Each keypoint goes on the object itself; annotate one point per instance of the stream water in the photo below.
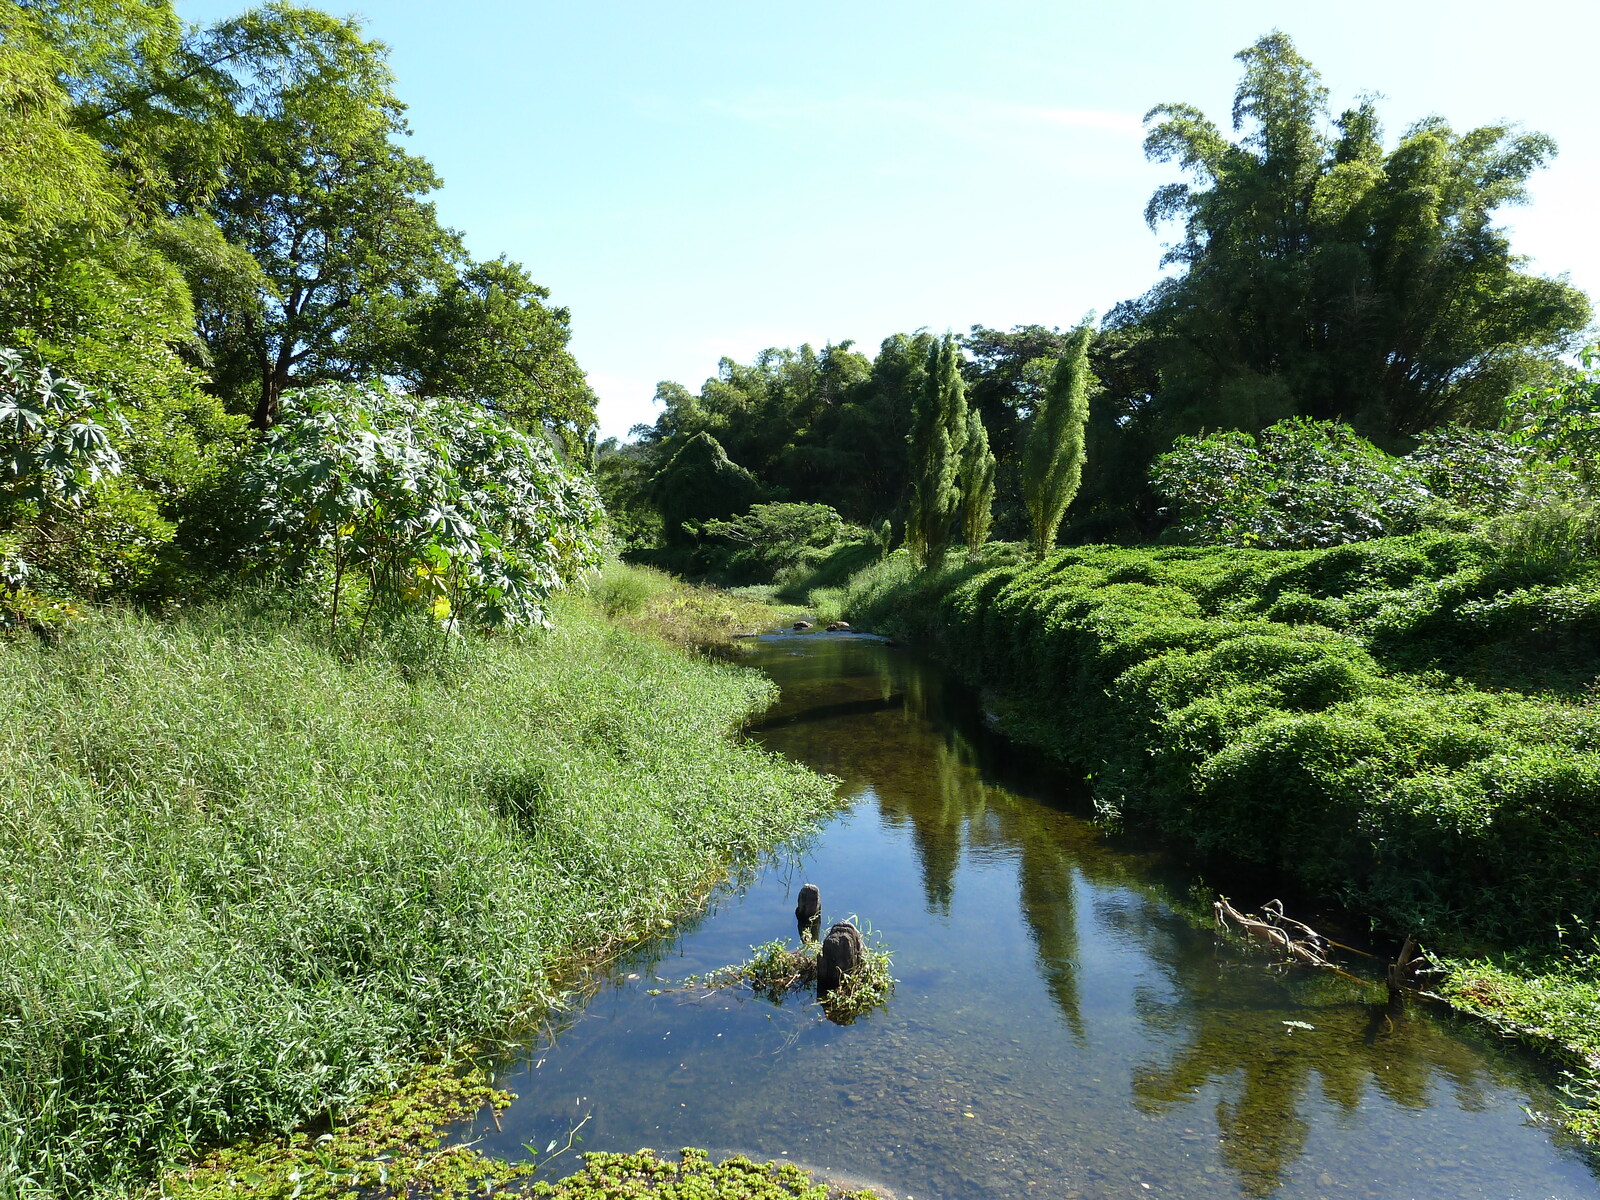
(1059, 1028)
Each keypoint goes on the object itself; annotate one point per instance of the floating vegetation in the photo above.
(391, 1148)
(388, 1147)
(644, 1174)
(775, 971)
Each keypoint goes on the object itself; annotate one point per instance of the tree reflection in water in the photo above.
(893, 729)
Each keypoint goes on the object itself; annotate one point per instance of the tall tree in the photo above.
(1053, 453)
(977, 484)
(1323, 276)
(331, 207)
(938, 438)
(700, 483)
(488, 336)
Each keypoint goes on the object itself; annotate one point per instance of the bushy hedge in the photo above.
(1332, 714)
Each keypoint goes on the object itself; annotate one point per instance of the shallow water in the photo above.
(1058, 1029)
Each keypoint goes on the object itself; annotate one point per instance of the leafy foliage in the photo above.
(488, 336)
(1301, 484)
(1053, 455)
(1561, 416)
(1339, 714)
(771, 538)
(1325, 277)
(977, 484)
(938, 438)
(424, 501)
(700, 483)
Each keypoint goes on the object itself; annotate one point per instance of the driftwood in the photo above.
(1303, 944)
(808, 913)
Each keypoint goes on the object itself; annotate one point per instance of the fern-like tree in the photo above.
(977, 484)
(1053, 454)
(938, 438)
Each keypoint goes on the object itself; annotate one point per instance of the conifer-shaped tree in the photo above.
(1053, 453)
(977, 484)
(938, 437)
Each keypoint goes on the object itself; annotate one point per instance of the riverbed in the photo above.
(1062, 1025)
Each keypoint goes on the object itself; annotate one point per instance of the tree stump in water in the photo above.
(841, 954)
(808, 913)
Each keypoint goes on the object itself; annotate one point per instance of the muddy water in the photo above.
(1059, 1027)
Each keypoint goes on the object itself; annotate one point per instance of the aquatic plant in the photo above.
(777, 971)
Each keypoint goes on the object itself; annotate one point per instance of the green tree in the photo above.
(938, 438)
(1323, 276)
(977, 484)
(700, 483)
(488, 336)
(1053, 452)
(324, 199)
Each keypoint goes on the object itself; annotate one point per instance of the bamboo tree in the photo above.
(938, 437)
(1053, 455)
(977, 484)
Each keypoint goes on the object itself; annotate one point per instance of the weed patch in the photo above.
(246, 880)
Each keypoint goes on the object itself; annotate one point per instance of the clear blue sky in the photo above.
(696, 180)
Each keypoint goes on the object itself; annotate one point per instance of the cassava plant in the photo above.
(407, 501)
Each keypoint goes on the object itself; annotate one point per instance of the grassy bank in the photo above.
(1405, 725)
(244, 881)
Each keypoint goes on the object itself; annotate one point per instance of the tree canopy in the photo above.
(1325, 276)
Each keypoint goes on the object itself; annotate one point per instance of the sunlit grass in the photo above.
(244, 879)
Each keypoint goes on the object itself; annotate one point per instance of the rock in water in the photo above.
(808, 913)
(839, 627)
(801, 626)
(841, 954)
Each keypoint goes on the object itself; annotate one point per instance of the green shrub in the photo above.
(405, 501)
(1310, 711)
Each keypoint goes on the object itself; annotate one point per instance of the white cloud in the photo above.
(1126, 123)
(958, 115)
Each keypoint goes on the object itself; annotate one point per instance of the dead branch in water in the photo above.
(1297, 940)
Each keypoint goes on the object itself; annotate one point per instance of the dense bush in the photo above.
(436, 504)
(1301, 484)
(1326, 713)
(771, 539)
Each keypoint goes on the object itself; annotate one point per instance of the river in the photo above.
(1060, 1027)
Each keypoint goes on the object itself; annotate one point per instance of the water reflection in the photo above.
(1059, 1028)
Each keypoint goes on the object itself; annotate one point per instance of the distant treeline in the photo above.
(1321, 275)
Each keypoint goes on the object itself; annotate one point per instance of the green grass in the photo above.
(244, 881)
(693, 616)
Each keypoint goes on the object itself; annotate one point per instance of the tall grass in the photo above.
(244, 881)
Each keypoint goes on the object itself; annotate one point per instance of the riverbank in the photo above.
(249, 881)
(1402, 725)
